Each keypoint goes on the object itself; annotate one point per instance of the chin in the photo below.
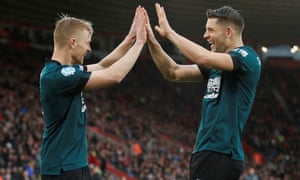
(77, 61)
(80, 61)
(219, 50)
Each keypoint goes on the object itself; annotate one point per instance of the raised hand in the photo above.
(140, 22)
(132, 31)
(150, 34)
(163, 28)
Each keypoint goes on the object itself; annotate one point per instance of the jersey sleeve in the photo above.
(204, 71)
(72, 79)
(244, 60)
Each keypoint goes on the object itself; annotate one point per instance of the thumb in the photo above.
(159, 30)
(149, 30)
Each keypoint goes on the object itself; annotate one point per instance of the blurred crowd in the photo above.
(139, 113)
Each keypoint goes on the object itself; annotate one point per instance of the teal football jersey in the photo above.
(227, 103)
(64, 144)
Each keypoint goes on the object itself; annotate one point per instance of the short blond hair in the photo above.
(68, 26)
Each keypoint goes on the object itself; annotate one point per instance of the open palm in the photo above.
(163, 28)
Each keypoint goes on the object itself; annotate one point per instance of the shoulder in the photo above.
(246, 56)
(64, 71)
(244, 52)
(55, 72)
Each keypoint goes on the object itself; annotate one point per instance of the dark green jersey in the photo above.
(227, 103)
(64, 144)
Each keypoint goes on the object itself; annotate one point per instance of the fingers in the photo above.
(140, 20)
(143, 26)
(132, 29)
(158, 9)
(141, 23)
(163, 28)
(147, 20)
(136, 13)
(150, 34)
(144, 14)
(158, 13)
(144, 11)
(158, 29)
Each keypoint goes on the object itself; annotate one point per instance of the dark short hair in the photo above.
(227, 14)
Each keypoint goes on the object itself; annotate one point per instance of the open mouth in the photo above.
(211, 45)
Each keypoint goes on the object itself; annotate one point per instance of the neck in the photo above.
(237, 42)
(62, 55)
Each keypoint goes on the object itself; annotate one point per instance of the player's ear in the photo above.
(72, 42)
(229, 31)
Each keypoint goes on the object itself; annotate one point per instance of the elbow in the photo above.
(117, 78)
(171, 76)
(168, 78)
(118, 81)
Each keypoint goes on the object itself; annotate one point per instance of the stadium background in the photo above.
(145, 128)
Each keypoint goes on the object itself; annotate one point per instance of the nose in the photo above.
(89, 49)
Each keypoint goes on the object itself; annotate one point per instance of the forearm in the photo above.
(188, 48)
(118, 52)
(162, 60)
(122, 67)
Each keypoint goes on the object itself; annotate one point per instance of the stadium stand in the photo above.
(145, 128)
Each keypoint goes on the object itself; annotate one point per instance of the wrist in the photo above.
(152, 42)
(170, 33)
(130, 38)
(139, 42)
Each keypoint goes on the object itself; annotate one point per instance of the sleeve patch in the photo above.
(68, 71)
(242, 52)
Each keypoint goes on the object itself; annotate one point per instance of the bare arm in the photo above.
(191, 50)
(200, 55)
(166, 65)
(116, 72)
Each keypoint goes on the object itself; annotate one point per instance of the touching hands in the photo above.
(150, 34)
(137, 30)
(132, 31)
(141, 28)
(140, 23)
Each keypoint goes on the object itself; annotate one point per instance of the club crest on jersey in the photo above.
(67, 71)
(241, 51)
